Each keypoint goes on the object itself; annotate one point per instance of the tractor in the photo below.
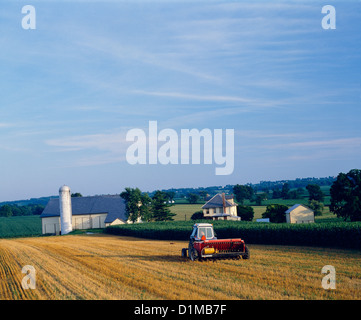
(203, 244)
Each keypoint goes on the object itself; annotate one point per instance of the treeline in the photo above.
(246, 192)
(184, 193)
(10, 210)
(296, 188)
(293, 184)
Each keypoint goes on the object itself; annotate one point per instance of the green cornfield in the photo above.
(20, 226)
(333, 234)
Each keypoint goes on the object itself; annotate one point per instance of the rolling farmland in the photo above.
(100, 266)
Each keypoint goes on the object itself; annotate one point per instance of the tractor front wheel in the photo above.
(184, 253)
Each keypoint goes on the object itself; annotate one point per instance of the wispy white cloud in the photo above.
(354, 142)
(113, 142)
(259, 134)
(142, 55)
(7, 125)
(198, 97)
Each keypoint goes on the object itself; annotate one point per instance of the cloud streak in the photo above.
(354, 142)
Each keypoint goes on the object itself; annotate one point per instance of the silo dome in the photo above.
(64, 188)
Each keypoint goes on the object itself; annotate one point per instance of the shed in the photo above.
(300, 213)
(87, 213)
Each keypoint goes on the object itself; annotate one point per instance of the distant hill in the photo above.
(41, 201)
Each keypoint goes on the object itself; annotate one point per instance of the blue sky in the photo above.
(92, 70)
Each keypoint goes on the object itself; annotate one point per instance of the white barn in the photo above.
(299, 213)
(87, 213)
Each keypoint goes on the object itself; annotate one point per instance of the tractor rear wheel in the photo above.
(246, 253)
(193, 254)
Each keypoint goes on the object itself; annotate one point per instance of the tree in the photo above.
(300, 192)
(36, 209)
(144, 209)
(243, 192)
(285, 190)
(292, 194)
(346, 195)
(315, 192)
(160, 207)
(170, 195)
(197, 215)
(5, 211)
(192, 198)
(276, 193)
(260, 197)
(245, 212)
(275, 213)
(76, 195)
(203, 194)
(137, 204)
(316, 206)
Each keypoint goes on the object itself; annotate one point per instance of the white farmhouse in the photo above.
(299, 213)
(220, 207)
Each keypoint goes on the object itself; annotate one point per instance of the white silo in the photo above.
(65, 210)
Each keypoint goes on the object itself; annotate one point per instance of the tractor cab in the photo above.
(203, 231)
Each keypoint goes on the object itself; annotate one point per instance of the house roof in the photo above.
(228, 197)
(217, 202)
(296, 206)
(114, 206)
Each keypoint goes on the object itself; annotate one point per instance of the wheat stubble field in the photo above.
(100, 266)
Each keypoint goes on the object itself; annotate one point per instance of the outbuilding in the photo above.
(300, 213)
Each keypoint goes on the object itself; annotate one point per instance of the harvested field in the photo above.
(100, 266)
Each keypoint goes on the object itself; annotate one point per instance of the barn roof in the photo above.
(217, 202)
(296, 206)
(114, 206)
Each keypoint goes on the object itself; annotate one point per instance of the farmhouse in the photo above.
(299, 213)
(220, 207)
(86, 213)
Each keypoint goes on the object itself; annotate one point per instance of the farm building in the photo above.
(299, 213)
(85, 213)
(220, 207)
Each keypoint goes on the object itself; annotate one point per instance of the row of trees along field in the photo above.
(246, 192)
(10, 210)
